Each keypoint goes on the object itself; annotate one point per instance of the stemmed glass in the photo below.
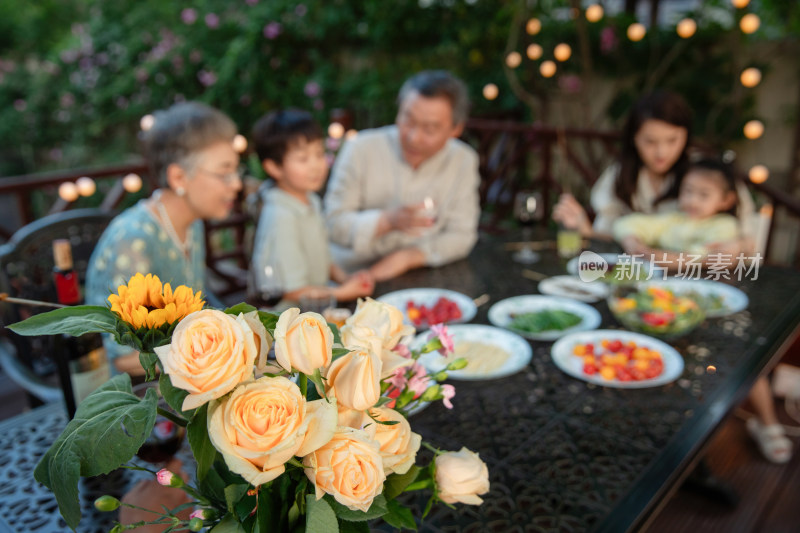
(527, 210)
(265, 289)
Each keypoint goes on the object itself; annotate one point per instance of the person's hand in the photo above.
(409, 219)
(148, 494)
(361, 283)
(397, 263)
(572, 215)
(730, 248)
(633, 245)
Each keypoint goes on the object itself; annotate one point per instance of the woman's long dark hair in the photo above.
(659, 105)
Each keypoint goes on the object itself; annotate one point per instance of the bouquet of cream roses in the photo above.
(306, 442)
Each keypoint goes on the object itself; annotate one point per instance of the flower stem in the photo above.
(171, 416)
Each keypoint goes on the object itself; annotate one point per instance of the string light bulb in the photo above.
(534, 52)
(68, 191)
(750, 77)
(533, 26)
(562, 52)
(132, 183)
(335, 130)
(239, 143)
(513, 59)
(758, 174)
(636, 32)
(86, 186)
(547, 69)
(147, 122)
(740, 4)
(350, 135)
(594, 12)
(490, 91)
(753, 129)
(750, 23)
(686, 28)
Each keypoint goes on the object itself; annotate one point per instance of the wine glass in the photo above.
(527, 210)
(265, 288)
(428, 208)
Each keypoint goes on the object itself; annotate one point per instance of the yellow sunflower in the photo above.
(145, 302)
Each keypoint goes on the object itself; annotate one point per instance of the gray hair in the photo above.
(180, 133)
(439, 83)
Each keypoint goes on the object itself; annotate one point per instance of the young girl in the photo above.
(706, 200)
(291, 239)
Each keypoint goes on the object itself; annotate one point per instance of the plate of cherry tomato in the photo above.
(621, 359)
(425, 307)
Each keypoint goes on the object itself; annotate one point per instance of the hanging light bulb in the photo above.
(132, 183)
(636, 32)
(686, 28)
(86, 186)
(750, 23)
(547, 69)
(335, 130)
(490, 91)
(513, 59)
(562, 52)
(533, 26)
(740, 4)
(594, 12)
(754, 129)
(147, 122)
(68, 191)
(750, 77)
(534, 52)
(350, 135)
(239, 144)
(758, 174)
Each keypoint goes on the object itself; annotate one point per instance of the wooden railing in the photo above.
(513, 156)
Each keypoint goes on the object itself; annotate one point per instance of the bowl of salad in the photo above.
(655, 310)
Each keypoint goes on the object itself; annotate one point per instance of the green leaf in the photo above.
(353, 527)
(240, 308)
(320, 518)
(213, 486)
(399, 516)
(234, 493)
(111, 424)
(270, 320)
(338, 352)
(75, 321)
(173, 395)
(376, 510)
(316, 379)
(148, 362)
(228, 524)
(396, 483)
(204, 452)
(337, 336)
(265, 514)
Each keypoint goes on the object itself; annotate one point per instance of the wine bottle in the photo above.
(88, 362)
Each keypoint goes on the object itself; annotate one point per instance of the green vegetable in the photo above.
(539, 321)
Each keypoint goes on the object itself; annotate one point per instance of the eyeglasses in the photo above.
(228, 178)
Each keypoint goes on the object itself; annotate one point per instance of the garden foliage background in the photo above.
(77, 75)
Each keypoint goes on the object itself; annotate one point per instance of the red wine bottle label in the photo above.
(68, 291)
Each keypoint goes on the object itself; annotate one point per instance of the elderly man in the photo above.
(406, 196)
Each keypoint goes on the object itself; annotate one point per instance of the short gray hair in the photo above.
(182, 131)
(439, 83)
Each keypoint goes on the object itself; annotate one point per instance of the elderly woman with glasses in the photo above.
(190, 151)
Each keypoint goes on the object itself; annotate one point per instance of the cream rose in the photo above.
(303, 341)
(356, 336)
(262, 339)
(399, 445)
(266, 422)
(461, 476)
(354, 379)
(211, 352)
(386, 321)
(348, 467)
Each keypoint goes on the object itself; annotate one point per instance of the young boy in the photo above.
(706, 201)
(291, 243)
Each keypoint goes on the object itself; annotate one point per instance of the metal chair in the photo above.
(26, 266)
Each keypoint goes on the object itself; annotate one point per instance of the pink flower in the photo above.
(570, 83)
(199, 513)
(419, 382)
(402, 350)
(319, 105)
(448, 391)
(440, 330)
(272, 30)
(207, 78)
(20, 105)
(312, 89)
(189, 15)
(332, 144)
(398, 379)
(300, 10)
(212, 21)
(168, 479)
(608, 40)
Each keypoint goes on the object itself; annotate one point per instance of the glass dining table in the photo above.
(563, 454)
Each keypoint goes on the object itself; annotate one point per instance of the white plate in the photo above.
(500, 314)
(428, 298)
(573, 287)
(734, 300)
(519, 351)
(562, 356)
